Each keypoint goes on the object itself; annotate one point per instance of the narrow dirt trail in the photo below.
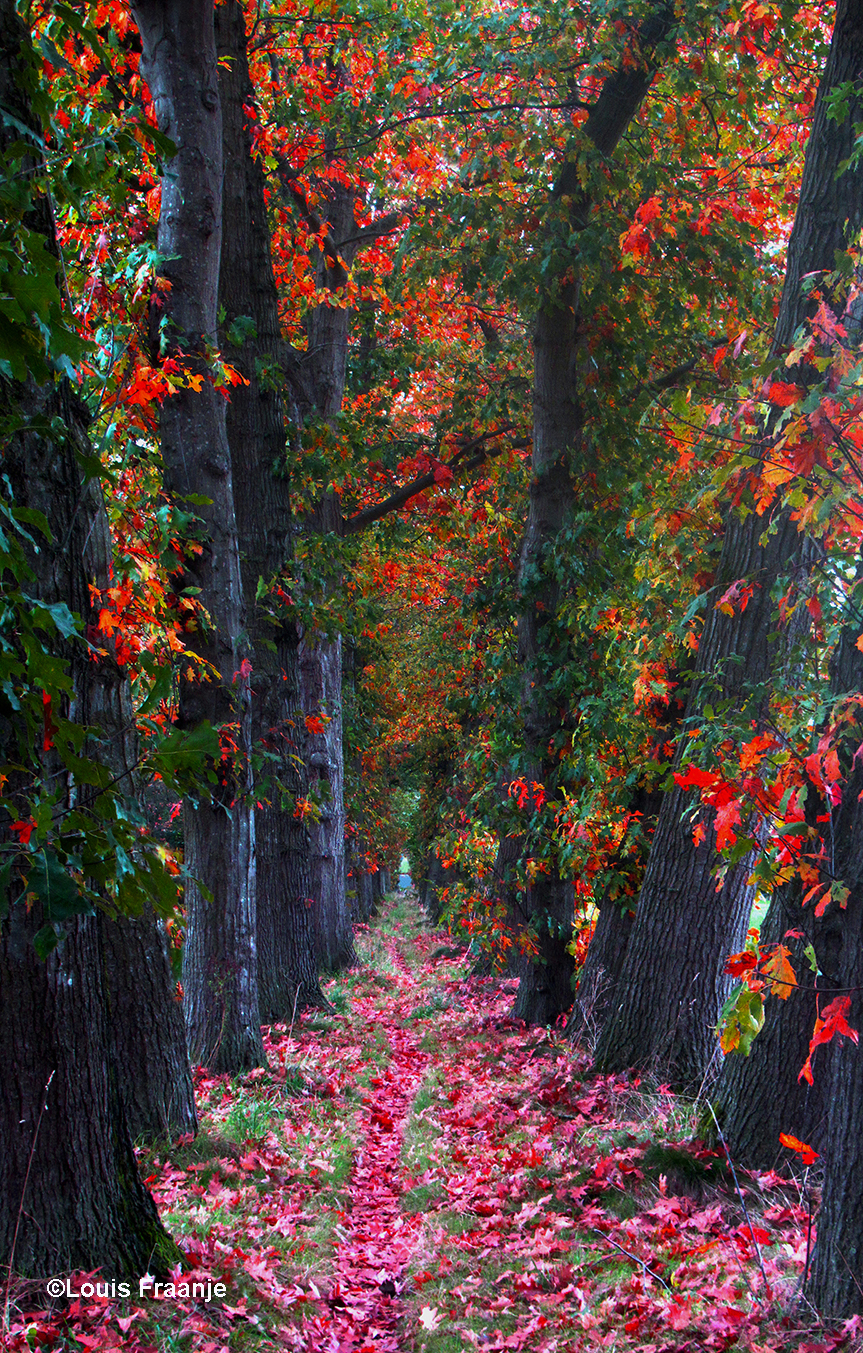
(372, 1260)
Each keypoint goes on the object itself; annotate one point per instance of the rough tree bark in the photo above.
(759, 1096)
(360, 881)
(147, 1032)
(836, 1286)
(321, 676)
(220, 958)
(320, 655)
(257, 433)
(67, 1159)
(597, 983)
(70, 1193)
(673, 991)
(324, 371)
(561, 448)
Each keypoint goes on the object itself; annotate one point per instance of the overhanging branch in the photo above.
(360, 520)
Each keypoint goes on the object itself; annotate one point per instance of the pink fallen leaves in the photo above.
(542, 1225)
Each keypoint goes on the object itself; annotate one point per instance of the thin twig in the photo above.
(740, 1196)
(808, 1228)
(294, 1011)
(634, 1257)
(21, 1204)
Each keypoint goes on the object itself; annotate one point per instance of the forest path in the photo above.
(415, 1171)
(515, 1200)
(371, 1262)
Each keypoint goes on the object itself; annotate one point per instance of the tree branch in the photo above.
(289, 179)
(621, 94)
(360, 520)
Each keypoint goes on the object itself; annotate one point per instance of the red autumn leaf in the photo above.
(49, 727)
(727, 817)
(693, 775)
(783, 394)
(832, 771)
(739, 965)
(831, 1021)
(649, 210)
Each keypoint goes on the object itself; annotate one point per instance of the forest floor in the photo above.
(416, 1171)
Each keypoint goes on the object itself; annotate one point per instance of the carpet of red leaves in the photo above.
(417, 1171)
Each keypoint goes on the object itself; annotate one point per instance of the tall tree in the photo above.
(672, 992)
(324, 370)
(257, 435)
(562, 456)
(836, 1286)
(61, 1109)
(220, 959)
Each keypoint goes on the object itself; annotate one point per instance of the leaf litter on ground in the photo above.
(417, 1171)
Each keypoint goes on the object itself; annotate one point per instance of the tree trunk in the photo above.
(837, 1267)
(220, 960)
(67, 1170)
(321, 668)
(545, 985)
(361, 883)
(70, 1193)
(147, 1033)
(836, 1288)
(598, 979)
(673, 993)
(67, 1162)
(324, 371)
(257, 433)
(759, 1096)
(561, 449)
(596, 993)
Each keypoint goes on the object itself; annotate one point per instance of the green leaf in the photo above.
(55, 888)
(45, 941)
(241, 330)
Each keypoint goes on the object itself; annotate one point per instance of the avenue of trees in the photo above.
(436, 428)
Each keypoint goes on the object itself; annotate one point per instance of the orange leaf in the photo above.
(780, 972)
(807, 1155)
